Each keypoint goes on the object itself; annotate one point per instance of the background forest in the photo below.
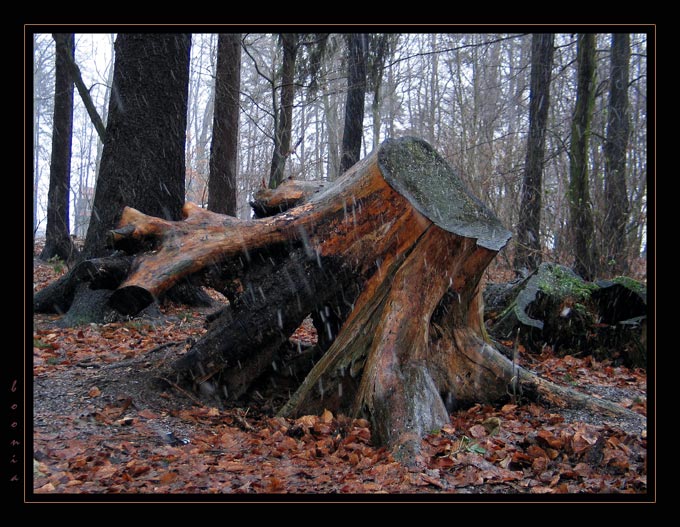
(469, 95)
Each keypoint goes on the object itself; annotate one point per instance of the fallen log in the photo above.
(554, 306)
(389, 257)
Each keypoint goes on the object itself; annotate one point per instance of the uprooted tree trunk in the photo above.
(389, 259)
(556, 307)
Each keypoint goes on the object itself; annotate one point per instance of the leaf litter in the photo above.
(105, 424)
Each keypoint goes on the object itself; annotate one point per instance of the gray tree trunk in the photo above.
(356, 94)
(528, 248)
(143, 160)
(284, 121)
(224, 147)
(616, 144)
(580, 208)
(58, 240)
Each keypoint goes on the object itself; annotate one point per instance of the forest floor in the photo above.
(104, 423)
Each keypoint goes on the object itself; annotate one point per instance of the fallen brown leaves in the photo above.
(532, 450)
(105, 441)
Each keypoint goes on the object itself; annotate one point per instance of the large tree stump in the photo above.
(389, 256)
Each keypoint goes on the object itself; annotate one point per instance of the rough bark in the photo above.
(391, 254)
(224, 146)
(57, 234)
(143, 161)
(284, 120)
(356, 94)
(615, 146)
(580, 206)
(528, 248)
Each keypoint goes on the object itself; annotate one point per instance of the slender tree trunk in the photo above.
(356, 93)
(58, 240)
(77, 79)
(331, 115)
(284, 122)
(528, 249)
(37, 72)
(616, 144)
(580, 213)
(224, 148)
(143, 160)
(105, 108)
(375, 115)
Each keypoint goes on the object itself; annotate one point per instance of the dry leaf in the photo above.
(47, 487)
(477, 431)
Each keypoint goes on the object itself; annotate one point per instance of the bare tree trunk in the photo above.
(618, 131)
(331, 115)
(284, 122)
(528, 249)
(58, 240)
(356, 93)
(36, 135)
(580, 213)
(77, 79)
(143, 160)
(105, 108)
(224, 148)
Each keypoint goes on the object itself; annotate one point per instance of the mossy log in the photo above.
(390, 256)
(556, 307)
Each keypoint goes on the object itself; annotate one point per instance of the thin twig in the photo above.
(181, 390)
(243, 423)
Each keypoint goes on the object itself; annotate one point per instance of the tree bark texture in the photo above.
(356, 93)
(390, 257)
(57, 234)
(615, 146)
(143, 159)
(284, 121)
(528, 248)
(224, 146)
(580, 206)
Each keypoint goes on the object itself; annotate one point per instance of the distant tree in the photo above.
(357, 44)
(58, 240)
(580, 208)
(224, 147)
(615, 146)
(380, 46)
(283, 120)
(43, 108)
(143, 158)
(528, 247)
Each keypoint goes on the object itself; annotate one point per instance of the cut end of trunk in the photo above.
(415, 170)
